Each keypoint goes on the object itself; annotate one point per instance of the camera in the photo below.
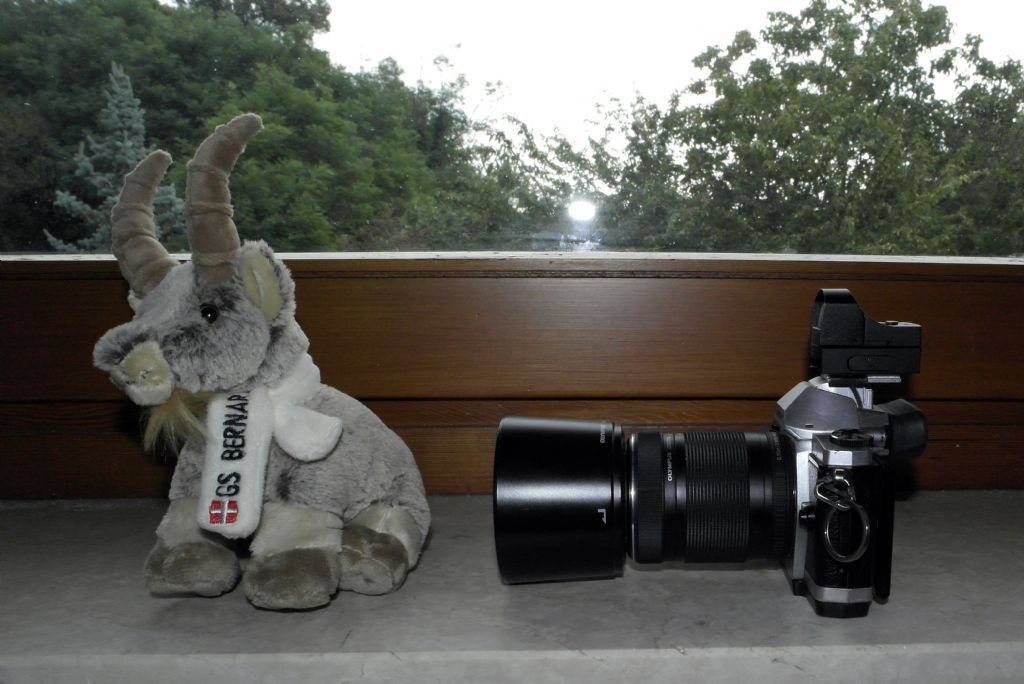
(815, 491)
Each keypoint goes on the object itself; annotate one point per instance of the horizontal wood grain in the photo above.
(442, 348)
(93, 450)
(547, 337)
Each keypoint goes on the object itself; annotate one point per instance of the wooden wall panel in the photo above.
(93, 450)
(442, 348)
(547, 335)
(634, 338)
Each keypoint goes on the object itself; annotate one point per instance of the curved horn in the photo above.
(143, 260)
(212, 234)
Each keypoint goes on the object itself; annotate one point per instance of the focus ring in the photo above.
(718, 496)
(649, 503)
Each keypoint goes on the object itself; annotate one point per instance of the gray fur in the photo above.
(240, 350)
(369, 469)
(370, 465)
(119, 343)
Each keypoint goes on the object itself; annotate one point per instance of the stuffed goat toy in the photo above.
(329, 495)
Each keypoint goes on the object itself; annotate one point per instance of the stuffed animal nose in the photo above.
(145, 375)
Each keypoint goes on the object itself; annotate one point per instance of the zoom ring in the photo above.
(718, 496)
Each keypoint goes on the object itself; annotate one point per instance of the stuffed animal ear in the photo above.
(266, 281)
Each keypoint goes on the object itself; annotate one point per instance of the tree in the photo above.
(985, 133)
(184, 64)
(827, 136)
(282, 14)
(101, 164)
(823, 134)
(348, 161)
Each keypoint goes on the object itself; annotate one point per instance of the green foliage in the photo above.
(348, 161)
(985, 131)
(282, 14)
(822, 134)
(55, 54)
(827, 136)
(100, 166)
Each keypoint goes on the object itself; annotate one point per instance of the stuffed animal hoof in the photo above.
(202, 568)
(372, 562)
(298, 579)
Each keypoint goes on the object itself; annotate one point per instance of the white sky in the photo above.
(557, 58)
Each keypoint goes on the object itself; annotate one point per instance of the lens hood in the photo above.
(558, 500)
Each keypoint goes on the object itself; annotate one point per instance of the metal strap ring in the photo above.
(830, 484)
(865, 537)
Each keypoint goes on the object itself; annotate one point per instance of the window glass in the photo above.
(790, 126)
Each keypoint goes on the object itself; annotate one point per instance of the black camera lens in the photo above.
(572, 498)
(559, 500)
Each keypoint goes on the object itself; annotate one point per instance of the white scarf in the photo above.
(239, 427)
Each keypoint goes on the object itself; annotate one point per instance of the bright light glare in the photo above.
(655, 43)
(582, 210)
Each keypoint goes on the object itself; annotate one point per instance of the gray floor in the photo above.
(73, 609)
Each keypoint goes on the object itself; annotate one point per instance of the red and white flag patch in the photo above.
(223, 512)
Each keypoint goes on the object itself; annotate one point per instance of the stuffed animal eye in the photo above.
(209, 312)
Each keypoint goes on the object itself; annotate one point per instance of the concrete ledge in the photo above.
(73, 609)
